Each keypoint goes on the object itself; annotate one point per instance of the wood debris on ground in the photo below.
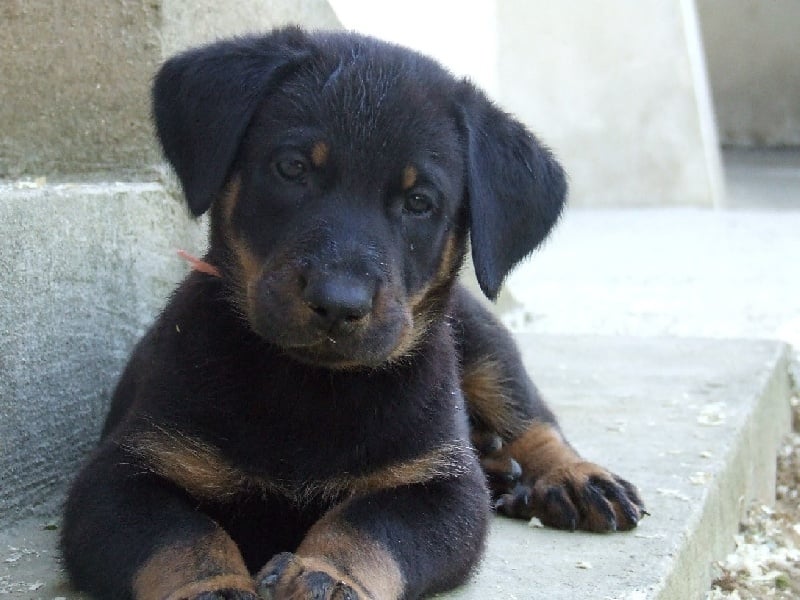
(766, 561)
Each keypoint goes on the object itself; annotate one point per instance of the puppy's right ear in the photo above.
(203, 100)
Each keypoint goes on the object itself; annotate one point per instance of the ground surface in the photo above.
(681, 272)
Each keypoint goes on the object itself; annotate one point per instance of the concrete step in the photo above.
(694, 423)
(84, 267)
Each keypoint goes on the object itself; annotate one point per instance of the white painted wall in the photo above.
(461, 34)
(617, 88)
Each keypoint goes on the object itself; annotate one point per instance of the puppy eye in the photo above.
(292, 169)
(417, 204)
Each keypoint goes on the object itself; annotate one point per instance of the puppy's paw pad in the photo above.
(287, 577)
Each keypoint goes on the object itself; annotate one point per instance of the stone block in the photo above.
(76, 74)
(83, 270)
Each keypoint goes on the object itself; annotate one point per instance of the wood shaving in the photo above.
(766, 560)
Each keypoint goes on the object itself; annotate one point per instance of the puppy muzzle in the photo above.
(340, 304)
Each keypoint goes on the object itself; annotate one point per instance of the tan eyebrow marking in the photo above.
(319, 153)
(409, 177)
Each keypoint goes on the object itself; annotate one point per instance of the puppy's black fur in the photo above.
(312, 422)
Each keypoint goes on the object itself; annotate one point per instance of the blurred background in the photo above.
(635, 97)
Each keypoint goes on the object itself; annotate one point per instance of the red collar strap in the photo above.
(199, 265)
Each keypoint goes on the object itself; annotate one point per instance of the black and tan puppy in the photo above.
(309, 417)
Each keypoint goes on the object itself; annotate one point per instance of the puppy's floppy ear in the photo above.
(203, 100)
(516, 189)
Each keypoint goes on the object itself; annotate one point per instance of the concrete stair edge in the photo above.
(748, 476)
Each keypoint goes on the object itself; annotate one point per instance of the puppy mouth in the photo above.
(343, 352)
(368, 346)
(339, 324)
(327, 353)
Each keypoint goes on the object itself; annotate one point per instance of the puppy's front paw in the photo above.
(580, 495)
(291, 577)
(226, 594)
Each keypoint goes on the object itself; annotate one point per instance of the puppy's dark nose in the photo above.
(339, 301)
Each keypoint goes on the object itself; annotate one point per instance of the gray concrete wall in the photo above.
(753, 50)
(74, 85)
(83, 270)
(76, 73)
(88, 232)
(189, 22)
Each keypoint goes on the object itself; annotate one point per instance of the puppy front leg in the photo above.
(402, 542)
(533, 470)
(128, 533)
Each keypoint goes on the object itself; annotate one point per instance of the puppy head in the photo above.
(344, 177)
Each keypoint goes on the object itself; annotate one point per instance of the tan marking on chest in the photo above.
(189, 463)
(201, 470)
(446, 461)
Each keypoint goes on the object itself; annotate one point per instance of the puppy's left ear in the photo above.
(516, 189)
(203, 100)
